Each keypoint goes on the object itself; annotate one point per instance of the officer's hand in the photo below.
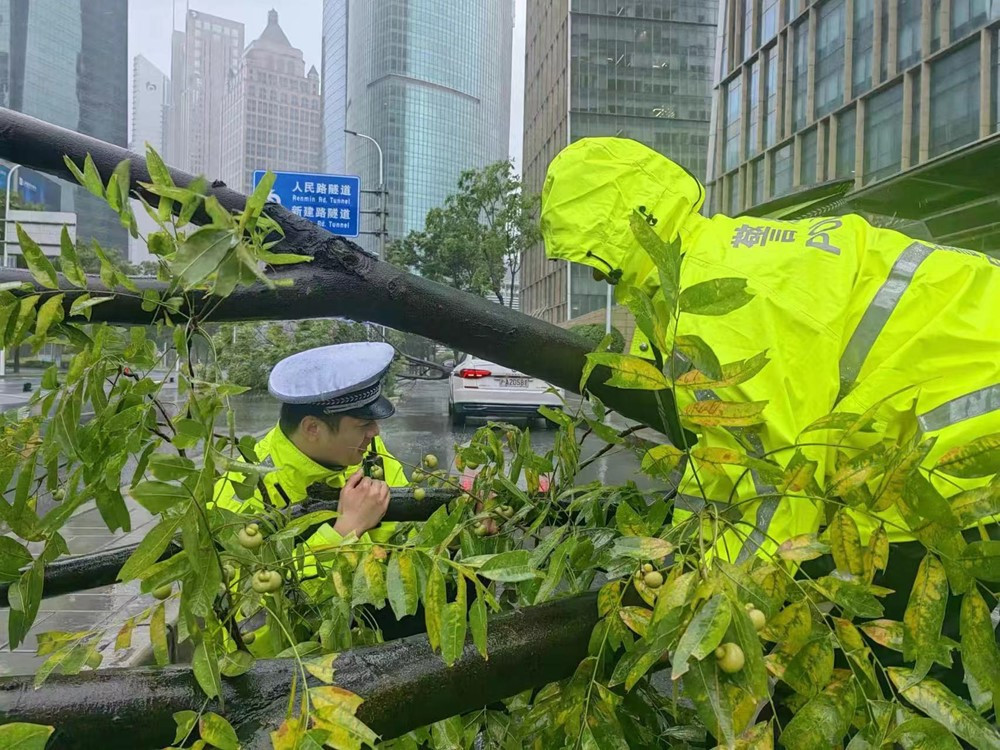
(363, 502)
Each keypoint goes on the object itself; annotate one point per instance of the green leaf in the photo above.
(791, 625)
(854, 599)
(982, 560)
(922, 733)
(924, 615)
(168, 467)
(510, 567)
(980, 655)
(703, 634)
(700, 355)
(402, 584)
(628, 521)
(939, 703)
(13, 557)
(666, 256)
(629, 372)
(19, 735)
(724, 707)
(217, 731)
(808, 670)
(478, 625)
(158, 635)
(92, 178)
(661, 460)
(641, 547)
(82, 304)
(69, 264)
(39, 265)
(49, 314)
(150, 548)
(838, 421)
(754, 674)
(654, 326)
(206, 669)
(715, 297)
(434, 603)
(715, 456)
(201, 253)
(980, 458)
(845, 541)
(724, 413)
(453, 629)
(733, 373)
(256, 201)
(185, 721)
(823, 721)
(25, 597)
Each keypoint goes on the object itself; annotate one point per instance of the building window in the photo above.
(771, 97)
(915, 118)
(800, 75)
(757, 182)
(732, 154)
(908, 32)
(768, 20)
(968, 15)
(807, 157)
(883, 134)
(733, 205)
(791, 10)
(955, 99)
(781, 171)
(996, 80)
(749, 42)
(846, 133)
(935, 25)
(864, 34)
(884, 57)
(830, 57)
(754, 101)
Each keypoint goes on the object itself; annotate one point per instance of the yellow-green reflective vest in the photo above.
(848, 313)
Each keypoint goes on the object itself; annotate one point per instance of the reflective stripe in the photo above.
(970, 405)
(878, 312)
(765, 511)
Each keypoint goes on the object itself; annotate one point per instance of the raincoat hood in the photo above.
(591, 190)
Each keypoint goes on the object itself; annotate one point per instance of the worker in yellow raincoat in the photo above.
(331, 404)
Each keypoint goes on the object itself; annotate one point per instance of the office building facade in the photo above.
(334, 67)
(865, 90)
(271, 111)
(430, 82)
(640, 70)
(150, 106)
(66, 62)
(205, 57)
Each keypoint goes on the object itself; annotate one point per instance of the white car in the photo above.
(480, 388)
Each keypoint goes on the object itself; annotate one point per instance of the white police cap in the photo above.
(342, 378)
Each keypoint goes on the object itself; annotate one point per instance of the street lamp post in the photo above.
(6, 240)
(381, 191)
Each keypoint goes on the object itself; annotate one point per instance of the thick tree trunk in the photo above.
(341, 281)
(404, 684)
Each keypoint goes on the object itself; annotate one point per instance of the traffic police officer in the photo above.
(850, 316)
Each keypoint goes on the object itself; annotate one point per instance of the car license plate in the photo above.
(513, 382)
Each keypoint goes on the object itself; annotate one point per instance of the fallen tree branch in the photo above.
(341, 281)
(404, 684)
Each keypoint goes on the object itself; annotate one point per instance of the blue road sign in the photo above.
(333, 201)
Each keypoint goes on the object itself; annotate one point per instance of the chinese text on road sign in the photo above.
(332, 201)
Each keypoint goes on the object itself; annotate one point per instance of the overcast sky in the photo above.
(150, 23)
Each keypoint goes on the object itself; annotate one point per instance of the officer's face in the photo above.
(347, 443)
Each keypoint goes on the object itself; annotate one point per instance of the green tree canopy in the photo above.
(475, 240)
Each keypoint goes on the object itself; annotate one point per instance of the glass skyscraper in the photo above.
(429, 80)
(66, 62)
(640, 70)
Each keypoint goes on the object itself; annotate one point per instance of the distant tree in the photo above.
(475, 241)
(594, 333)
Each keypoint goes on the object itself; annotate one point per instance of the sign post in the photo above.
(331, 201)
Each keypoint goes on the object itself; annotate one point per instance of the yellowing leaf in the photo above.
(629, 372)
(334, 712)
(641, 547)
(700, 354)
(896, 480)
(823, 721)
(434, 602)
(49, 314)
(217, 731)
(980, 458)
(980, 655)
(703, 634)
(982, 560)
(802, 547)
(976, 505)
(879, 547)
(935, 700)
(402, 584)
(798, 473)
(725, 413)
(808, 669)
(158, 635)
(733, 373)
(661, 460)
(654, 326)
(845, 543)
(69, 264)
(636, 619)
(924, 615)
(791, 625)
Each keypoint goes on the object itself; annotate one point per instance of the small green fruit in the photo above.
(647, 568)
(653, 579)
(730, 657)
(249, 638)
(250, 536)
(430, 461)
(228, 572)
(266, 581)
(419, 494)
(417, 477)
(163, 592)
(378, 472)
(758, 618)
(59, 494)
(480, 530)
